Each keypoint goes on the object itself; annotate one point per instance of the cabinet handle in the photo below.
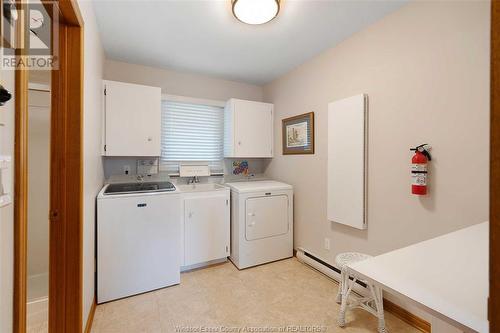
(150, 139)
(239, 143)
(190, 214)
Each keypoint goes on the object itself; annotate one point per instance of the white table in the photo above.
(447, 276)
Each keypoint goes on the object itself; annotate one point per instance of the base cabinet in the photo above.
(206, 227)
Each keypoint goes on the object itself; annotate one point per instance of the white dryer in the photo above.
(261, 222)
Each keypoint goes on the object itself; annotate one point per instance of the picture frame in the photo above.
(298, 134)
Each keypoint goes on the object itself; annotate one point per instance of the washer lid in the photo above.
(258, 186)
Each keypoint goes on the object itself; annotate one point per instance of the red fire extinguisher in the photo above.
(419, 169)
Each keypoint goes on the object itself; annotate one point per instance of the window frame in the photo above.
(192, 100)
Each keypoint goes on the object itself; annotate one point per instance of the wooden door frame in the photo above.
(20, 190)
(494, 300)
(66, 182)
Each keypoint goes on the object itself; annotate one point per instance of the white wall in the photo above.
(425, 68)
(7, 213)
(92, 122)
(181, 83)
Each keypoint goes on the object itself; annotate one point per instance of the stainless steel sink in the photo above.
(201, 187)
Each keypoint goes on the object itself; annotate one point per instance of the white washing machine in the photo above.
(138, 238)
(261, 222)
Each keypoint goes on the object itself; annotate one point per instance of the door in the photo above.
(132, 119)
(266, 217)
(206, 229)
(253, 129)
(138, 244)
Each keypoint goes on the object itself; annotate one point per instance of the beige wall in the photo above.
(181, 83)
(7, 213)
(426, 70)
(92, 122)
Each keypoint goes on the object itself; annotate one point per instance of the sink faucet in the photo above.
(194, 180)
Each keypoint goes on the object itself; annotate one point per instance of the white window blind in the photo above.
(191, 133)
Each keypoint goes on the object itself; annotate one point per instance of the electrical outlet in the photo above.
(147, 166)
(126, 169)
(327, 243)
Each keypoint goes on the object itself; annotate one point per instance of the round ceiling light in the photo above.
(255, 11)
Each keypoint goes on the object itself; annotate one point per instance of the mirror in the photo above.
(37, 279)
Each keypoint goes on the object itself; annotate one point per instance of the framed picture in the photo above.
(298, 134)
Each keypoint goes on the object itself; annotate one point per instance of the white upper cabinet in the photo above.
(248, 129)
(132, 119)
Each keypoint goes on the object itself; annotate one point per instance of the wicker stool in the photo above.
(372, 303)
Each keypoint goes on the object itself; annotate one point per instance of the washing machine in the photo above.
(261, 222)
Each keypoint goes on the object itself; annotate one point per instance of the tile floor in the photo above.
(37, 318)
(223, 299)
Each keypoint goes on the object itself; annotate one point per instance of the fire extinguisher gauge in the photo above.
(424, 149)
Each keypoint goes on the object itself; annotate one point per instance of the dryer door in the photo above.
(266, 217)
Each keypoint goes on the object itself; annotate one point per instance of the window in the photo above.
(191, 132)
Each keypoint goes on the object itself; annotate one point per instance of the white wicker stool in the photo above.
(372, 303)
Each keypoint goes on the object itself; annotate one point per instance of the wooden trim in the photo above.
(90, 318)
(69, 11)
(20, 200)
(494, 300)
(408, 317)
(74, 185)
(20, 186)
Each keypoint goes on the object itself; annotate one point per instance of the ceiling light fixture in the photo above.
(255, 11)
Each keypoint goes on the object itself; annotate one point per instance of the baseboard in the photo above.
(408, 317)
(90, 318)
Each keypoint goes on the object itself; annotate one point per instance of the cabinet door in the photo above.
(253, 134)
(206, 229)
(266, 217)
(132, 119)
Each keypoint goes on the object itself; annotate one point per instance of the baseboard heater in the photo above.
(324, 267)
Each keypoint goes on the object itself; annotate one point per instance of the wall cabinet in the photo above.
(206, 226)
(248, 129)
(132, 120)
